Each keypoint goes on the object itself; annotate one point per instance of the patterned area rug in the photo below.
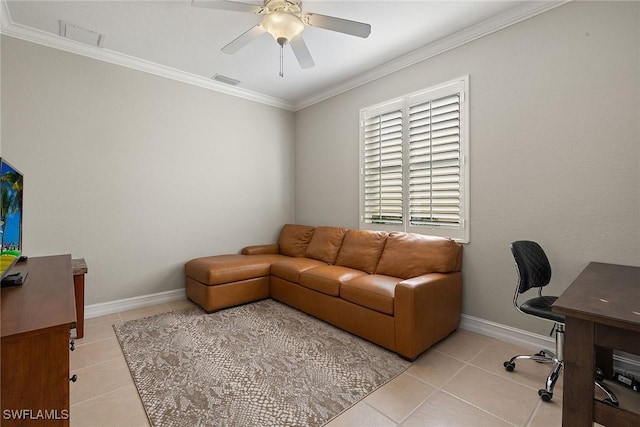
(261, 364)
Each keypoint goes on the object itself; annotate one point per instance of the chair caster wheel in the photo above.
(509, 366)
(599, 375)
(545, 395)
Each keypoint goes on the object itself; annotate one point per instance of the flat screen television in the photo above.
(10, 216)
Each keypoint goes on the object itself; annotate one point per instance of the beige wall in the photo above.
(138, 173)
(555, 147)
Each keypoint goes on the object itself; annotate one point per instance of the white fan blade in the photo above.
(244, 39)
(301, 51)
(340, 25)
(228, 5)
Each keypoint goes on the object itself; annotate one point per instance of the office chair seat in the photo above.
(541, 307)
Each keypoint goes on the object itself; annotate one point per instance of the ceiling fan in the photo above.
(285, 21)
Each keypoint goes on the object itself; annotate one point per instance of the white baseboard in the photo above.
(622, 362)
(117, 306)
(535, 342)
(506, 333)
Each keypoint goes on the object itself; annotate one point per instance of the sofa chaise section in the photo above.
(223, 281)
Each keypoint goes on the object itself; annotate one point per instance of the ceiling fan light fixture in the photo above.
(283, 26)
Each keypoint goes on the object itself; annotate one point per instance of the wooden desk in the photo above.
(36, 322)
(602, 311)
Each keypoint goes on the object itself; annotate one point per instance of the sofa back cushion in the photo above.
(294, 239)
(325, 244)
(361, 249)
(408, 255)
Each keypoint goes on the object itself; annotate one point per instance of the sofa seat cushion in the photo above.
(219, 269)
(290, 268)
(328, 279)
(374, 291)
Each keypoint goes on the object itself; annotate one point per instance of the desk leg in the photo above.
(78, 287)
(604, 361)
(579, 358)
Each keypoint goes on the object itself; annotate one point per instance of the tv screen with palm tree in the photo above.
(10, 216)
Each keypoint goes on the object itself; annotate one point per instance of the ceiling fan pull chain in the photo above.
(281, 60)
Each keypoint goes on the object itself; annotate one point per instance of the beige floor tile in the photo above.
(100, 379)
(527, 372)
(444, 410)
(361, 414)
(435, 368)
(463, 345)
(139, 313)
(547, 414)
(96, 332)
(108, 318)
(399, 397)
(501, 397)
(121, 407)
(459, 382)
(180, 304)
(94, 353)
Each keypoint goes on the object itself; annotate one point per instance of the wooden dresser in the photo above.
(36, 321)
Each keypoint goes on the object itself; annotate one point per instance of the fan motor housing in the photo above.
(289, 6)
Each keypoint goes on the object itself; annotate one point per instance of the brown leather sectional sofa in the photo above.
(402, 291)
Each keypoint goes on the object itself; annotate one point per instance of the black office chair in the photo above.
(534, 271)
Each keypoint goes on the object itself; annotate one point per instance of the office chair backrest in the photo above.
(534, 270)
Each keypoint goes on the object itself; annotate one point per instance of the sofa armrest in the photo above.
(269, 249)
(426, 309)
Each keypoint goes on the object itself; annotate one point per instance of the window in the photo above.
(414, 163)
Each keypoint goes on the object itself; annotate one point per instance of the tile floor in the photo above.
(458, 382)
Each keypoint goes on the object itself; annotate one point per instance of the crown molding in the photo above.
(484, 28)
(33, 35)
(5, 18)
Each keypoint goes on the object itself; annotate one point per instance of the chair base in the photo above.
(543, 356)
(547, 356)
(611, 398)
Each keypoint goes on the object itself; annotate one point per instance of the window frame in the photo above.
(458, 232)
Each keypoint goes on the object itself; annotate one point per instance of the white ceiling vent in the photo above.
(79, 34)
(224, 79)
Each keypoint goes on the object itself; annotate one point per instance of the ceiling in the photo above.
(177, 38)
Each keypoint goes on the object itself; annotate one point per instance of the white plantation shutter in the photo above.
(413, 163)
(434, 162)
(382, 165)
